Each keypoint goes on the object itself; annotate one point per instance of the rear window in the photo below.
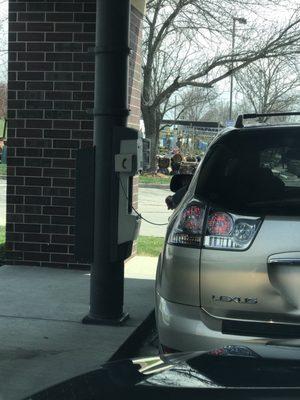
(254, 173)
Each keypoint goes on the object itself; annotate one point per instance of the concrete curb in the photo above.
(154, 186)
(133, 343)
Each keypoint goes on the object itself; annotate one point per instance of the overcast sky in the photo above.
(273, 15)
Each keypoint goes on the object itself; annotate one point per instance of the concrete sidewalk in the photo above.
(42, 338)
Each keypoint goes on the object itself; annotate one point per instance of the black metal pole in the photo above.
(111, 110)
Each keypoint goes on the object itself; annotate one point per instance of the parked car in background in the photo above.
(230, 269)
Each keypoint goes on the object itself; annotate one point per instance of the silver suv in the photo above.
(229, 272)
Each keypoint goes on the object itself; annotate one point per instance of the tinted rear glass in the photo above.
(254, 173)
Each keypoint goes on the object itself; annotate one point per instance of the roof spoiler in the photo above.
(240, 119)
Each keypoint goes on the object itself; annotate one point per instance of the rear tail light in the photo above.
(168, 350)
(188, 227)
(229, 231)
(220, 223)
(197, 226)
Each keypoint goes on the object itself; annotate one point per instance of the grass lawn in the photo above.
(2, 245)
(3, 169)
(157, 180)
(149, 246)
(2, 235)
(1, 127)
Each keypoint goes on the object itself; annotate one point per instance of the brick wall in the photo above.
(50, 90)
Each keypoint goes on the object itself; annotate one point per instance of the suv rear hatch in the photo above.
(250, 261)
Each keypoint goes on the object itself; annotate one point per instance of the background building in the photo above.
(50, 98)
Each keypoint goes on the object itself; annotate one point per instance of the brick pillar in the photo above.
(50, 93)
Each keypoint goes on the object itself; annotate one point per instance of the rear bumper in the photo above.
(185, 328)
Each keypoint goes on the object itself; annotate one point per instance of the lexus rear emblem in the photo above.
(235, 299)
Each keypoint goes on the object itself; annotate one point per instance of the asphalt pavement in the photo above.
(152, 206)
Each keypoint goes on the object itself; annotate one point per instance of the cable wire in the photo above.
(139, 214)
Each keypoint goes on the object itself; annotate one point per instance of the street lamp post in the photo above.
(241, 21)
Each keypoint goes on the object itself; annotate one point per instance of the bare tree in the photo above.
(188, 104)
(270, 85)
(187, 43)
(218, 111)
(195, 101)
